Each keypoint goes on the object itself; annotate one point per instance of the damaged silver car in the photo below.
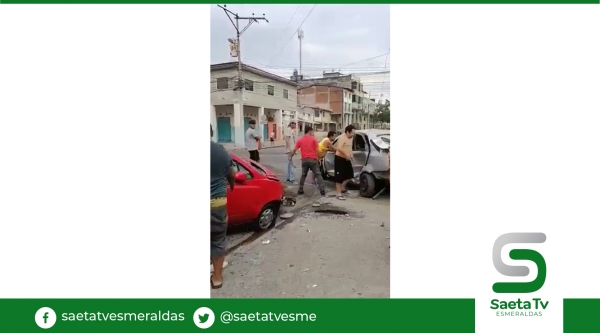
(370, 161)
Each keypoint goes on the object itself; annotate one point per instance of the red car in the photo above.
(256, 197)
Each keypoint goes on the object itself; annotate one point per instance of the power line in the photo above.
(239, 33)
(382, 82)
(320, 67)
(287, 25)
(357, 62)
(286, 44)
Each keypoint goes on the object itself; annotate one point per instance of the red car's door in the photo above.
(242, 200)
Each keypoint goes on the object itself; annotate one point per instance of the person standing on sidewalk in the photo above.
(272, 138)
(221, 173)
(289, 135)
(308, 146)
(343, 162)
(252, 141)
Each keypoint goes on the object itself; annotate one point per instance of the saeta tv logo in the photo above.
(519, 254)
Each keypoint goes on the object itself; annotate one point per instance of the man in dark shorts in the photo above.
(251, 140)
(343, 161)
(221, 173)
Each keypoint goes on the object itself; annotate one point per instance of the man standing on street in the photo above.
(308, 149)
(221, 173)
(343, 162)
(251, 141)
(289, 135)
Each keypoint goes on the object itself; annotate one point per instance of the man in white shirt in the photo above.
(251, 139)
(289, 135)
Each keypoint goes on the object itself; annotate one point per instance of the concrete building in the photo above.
(332, 99)
(354, 101)
(322, 119)
(268, 99)
(305, 117)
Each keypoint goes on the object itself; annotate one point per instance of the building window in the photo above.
(222, 83)
(285, 94)
(354, 85)
(354, 98)
(271, 90)
(249, 85)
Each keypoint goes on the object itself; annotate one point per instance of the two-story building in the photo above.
(351, 95)
(330, 98)
(322, 119)
(269, 99)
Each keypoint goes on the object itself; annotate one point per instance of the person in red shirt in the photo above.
(308, 146)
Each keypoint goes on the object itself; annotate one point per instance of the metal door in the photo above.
(360, 151)
(224, 129)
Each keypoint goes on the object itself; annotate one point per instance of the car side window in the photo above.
(358, 144)
(240, 168)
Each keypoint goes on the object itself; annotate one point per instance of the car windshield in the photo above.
(256, 167)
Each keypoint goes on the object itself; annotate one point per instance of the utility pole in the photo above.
(239, 116)
(300, 37)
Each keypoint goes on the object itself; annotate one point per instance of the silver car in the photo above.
(370, 161)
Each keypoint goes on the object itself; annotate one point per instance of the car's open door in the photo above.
(360, 151)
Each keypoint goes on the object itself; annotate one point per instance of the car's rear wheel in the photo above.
(267, 217)
(367, 185)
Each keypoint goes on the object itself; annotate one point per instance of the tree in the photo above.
(382, 112)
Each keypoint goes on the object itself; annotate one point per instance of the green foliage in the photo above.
(382, 112)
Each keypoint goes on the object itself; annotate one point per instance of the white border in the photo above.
(103, 143)
(496, 115)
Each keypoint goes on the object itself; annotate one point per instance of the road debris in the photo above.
(266, 241)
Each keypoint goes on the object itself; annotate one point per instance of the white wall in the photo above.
(258, 97)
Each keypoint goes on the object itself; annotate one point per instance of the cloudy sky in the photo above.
(353, 38)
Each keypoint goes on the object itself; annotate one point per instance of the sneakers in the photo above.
(300, 192)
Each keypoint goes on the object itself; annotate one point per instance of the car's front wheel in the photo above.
(267, 217)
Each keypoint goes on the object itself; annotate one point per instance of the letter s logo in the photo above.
(519, 254)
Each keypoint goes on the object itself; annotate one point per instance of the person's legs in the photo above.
(257, 154)
(348, 175)
(305, 168)
(316, 173)
(290, 171)
(218, 229)
(338, 176)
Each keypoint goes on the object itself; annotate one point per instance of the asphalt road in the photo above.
(276, 160)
